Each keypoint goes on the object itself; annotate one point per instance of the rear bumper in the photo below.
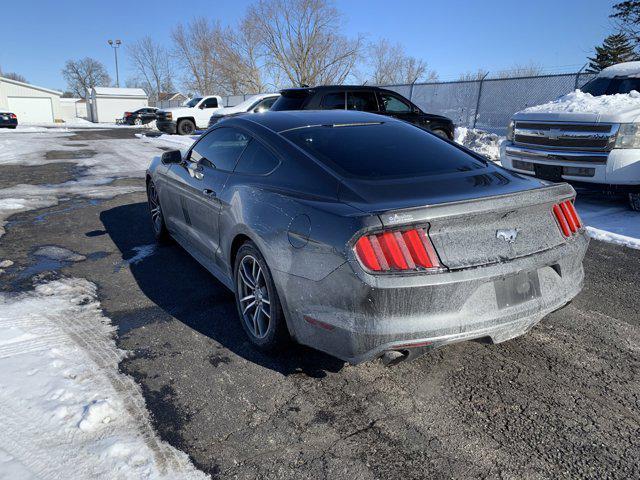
(616, 167)
(166, 126)
(358, 320)
(11, 123)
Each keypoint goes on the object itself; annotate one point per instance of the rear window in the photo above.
(610, 86)
(289, 102)
(382, 150)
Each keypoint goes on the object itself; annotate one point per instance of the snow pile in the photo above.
(180, 142)
(580, 102)
(23, 129)
(484, 143)
(65, 410)
(625, 69)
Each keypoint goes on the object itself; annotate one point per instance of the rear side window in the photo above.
(210, 103)
(393, 104)
(363, 101)
(289, 102)
(265, 104)
(220, 148)
(333, 101)
(256, 160)
(382, 150)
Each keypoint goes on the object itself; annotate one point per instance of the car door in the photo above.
(396, 106)
(197, 185)
(362, 100)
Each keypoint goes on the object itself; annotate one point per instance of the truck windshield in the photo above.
(610, 86)
(193, 102)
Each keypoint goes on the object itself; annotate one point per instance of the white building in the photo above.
(31, 104)
(107, 104)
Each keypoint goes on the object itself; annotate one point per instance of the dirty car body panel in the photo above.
(501, 260)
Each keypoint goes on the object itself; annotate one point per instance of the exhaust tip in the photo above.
(394, 357)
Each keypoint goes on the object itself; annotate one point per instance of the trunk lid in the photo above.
(474, 219)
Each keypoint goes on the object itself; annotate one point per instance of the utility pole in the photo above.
(115, 45)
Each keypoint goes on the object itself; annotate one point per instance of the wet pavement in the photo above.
(562, 401)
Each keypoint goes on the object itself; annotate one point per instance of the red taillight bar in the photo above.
(567, 218)
(12, 115)
(397, 251)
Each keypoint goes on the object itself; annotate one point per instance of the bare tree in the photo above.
(151, 63)
(82, 75)
(302, 40)
(473, 76)
(390, 65)
(13, 76)
(195, 47)
(242, 62)
(526, 70)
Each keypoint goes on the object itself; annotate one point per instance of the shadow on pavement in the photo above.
(184, 290)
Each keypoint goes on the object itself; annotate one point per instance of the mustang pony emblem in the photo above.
(508, 235)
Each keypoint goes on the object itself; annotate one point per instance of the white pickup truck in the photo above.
(590, 137)
(193, 115)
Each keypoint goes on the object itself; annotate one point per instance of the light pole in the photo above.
(115, 46)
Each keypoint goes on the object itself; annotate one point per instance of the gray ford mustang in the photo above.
(364, 236)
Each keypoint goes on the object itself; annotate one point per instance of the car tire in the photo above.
(186, 127)
(158, 224)
(438, 132)
(12, 127)
(257, 300)
(137, 121)
(634, 201)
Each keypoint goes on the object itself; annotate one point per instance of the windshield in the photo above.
(382, 150)
(610, 86)
(193, 102)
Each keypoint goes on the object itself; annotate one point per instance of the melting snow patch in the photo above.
(142, 252)
(59, 253)
(65, 409)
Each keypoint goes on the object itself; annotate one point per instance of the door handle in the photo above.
(209, 193)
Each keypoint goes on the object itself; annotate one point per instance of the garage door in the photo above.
(31, 109)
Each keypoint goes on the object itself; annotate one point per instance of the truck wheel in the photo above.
(186, 127)
(634, 201)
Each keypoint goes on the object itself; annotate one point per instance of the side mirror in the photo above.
(172, 156)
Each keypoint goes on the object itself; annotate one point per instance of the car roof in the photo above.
(289, 119)
(321, 88)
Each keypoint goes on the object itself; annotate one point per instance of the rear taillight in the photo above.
(127, 114)
(567, 218)
(12, 115)
(398, 251)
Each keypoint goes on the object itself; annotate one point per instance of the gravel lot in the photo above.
(560, 402)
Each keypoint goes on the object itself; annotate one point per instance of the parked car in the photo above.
(254, 104)
(589, 140)
(366, 99)
(8, 119)
(191, 116)
(365, 237)
(142, 116)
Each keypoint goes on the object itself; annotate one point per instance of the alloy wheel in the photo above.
(154, 208)
(255, 304)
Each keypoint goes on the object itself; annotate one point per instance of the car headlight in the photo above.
(169, 115)
(628, 136)
(510, 129)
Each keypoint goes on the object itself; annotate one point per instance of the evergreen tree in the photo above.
(615, 49)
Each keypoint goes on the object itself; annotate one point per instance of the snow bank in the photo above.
(609, 218)
(181, 142)
(484, 143)
(65, 410)
(580, 102)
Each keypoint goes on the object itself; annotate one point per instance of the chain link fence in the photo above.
(486, 104)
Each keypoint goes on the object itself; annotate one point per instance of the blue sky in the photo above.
(453, 36)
